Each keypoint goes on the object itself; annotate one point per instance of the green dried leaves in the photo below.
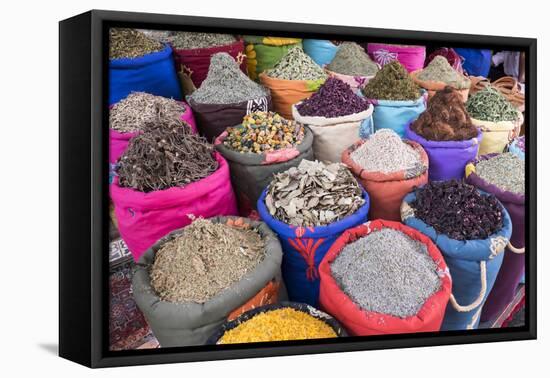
(440, 70)
(130, 43)
(490, 105)
(297, 65)
(351, 59)
(392, 82)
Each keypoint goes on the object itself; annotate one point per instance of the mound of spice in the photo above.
(457, 210)
(489, 104)
(351, 59)
(130, 43)
(387, 272)
(204, 260)
(297, 65)
(278, 325)
(140, 109)
(313, 194)
(226, 83)
(333, 99)
(506, 171)
(193, 40)
(165, 156)
(392, 82)
(445, 118)
(440, 70)
(385, 151)
(263, 132)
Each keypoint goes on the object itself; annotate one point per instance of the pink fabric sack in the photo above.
(144, 218)
(411, 57)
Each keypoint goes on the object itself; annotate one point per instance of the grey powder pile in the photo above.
(297, 65)
(351, 59)
(191, 40)
(387, 272)
(506, 171)
(226, 83)
(385, 152)
(439, 69)
(140, 110)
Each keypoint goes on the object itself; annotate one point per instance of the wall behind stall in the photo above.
(29, 147)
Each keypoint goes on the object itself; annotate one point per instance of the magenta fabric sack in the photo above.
(118, 142)
(144, 218)
(411, 57)
(447, 158)
(513, 264)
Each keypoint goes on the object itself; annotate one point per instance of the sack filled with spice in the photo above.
(138, 63)
(308, 207)
(471, 229)
(504, 176)
(383, 277)
(196, 278)
(263, 53)
(166, 175)
(293, 79)
(448, 53)
(448, 135)
(496, 117)
(517, 147)
(263, 144)
(225, 97)
(278, 322)
(130, 116)
(439, 74)
(388, 168)
(411, 57)
(193, 51)
(335, 115)
(352, 65)
(397, 99)
(322, 51)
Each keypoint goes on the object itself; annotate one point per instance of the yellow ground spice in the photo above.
(278, 325)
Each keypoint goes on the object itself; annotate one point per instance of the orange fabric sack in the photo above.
(285, 93)
(433, 86)
(387, 190)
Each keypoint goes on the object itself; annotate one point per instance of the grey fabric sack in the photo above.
(251, 173)
(183, 324)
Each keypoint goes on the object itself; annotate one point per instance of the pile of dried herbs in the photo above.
(440, 70)
(313, 194)
(351, 59)
(392, 82)
(193, 40)
(333, 99)
(140, 109)
(445, 118)
(297, 65)
(458, 210)
(506, 171)
(489, 104)
(278, 325)
(165, 156)
(130, 43)
(263, 132)
(226, 83)
(204, 260)
(387, 272)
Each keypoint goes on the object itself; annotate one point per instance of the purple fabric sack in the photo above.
(513, 264)
(447, 158)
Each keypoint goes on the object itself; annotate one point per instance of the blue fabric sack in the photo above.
(153, 73)
(476, 62)
(396, 115)
(320, 50)
(513, 148)
(305, 247)
(473, 265)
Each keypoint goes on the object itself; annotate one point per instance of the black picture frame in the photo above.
(83, 196)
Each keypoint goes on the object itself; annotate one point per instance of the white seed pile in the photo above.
(385, 152)
(505, 171)
(387, 272)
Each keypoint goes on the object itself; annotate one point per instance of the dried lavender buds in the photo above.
(392, 82)
(140, 109)
(193, 40)
(130, 43)
(387, 272)
(489, 104)
(204, 260)
(168, 155)
(313, 194)
(263, 132)
(506, 171)
(351, 59)
(297, 65)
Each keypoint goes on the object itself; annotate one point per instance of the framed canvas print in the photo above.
(236, 188)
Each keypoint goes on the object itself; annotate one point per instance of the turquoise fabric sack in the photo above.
(322, 51)
(396, 115)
